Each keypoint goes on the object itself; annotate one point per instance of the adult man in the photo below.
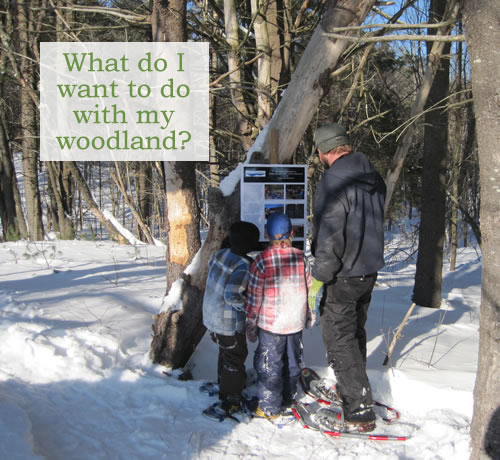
(348, 245)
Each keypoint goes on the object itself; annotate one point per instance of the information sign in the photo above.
(275, 188)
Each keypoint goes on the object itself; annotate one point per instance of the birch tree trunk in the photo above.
(483, 35)
(311, 80)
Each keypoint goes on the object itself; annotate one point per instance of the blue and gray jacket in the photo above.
(225, 293)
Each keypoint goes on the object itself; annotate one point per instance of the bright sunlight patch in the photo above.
(124, 101)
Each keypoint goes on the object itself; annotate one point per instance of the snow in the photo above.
(76, 381)
(229, 183)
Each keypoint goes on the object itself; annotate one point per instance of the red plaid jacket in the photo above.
(280, 278)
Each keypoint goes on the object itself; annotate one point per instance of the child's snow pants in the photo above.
(277, 362)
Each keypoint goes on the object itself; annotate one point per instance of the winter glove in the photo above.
(251, 331)
(313, 293)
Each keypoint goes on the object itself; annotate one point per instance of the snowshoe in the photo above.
(210, 388)
(280, 420)
(305, 415)
(221, 410)
(319, 388)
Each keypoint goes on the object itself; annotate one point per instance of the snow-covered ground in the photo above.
(76, 381)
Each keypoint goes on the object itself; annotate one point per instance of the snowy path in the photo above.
(76, 381)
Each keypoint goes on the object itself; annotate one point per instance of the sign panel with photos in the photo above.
(275, 188)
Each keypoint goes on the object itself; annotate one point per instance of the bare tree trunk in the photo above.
(311, 80)
(433, 60)
(29, 126)
(429, 272)
(11, 214)
(483, 35)
(263, 46)
(213, 161)
(183, 223)
(174, 349)
(457, 149)
(176, 333)
(92, 205)
(455, 171)
(118, 179)
(235, 78)
(144, 192)
(62, 212)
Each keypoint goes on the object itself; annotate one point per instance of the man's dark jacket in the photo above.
(348, 223)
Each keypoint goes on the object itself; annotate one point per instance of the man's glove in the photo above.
(313, 293)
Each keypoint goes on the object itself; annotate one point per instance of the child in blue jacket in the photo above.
(224, 314)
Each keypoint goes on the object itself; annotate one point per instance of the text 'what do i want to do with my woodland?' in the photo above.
(124, 101)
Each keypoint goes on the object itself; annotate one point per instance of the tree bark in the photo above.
(92, 205)
(481, 27)
(263, 46)
(235, 78)
(433, 60)
(63, 212)
(429, 272)
(183, 222)
(457, 149)
(11, 212)
(29, 126)
(117, 178)
(144, 192)
(177, 332)
(311, 80)
(175, 348)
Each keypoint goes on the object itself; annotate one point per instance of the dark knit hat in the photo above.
(327, 137)
(244, 237)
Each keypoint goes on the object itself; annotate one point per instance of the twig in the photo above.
(441, 319)
(397, 335)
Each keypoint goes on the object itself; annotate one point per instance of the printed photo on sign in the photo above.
(295, 211)
(270, 208)
(274, 192)
(295, 192)
(298, 231)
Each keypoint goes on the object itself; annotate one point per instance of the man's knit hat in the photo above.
(327, 137)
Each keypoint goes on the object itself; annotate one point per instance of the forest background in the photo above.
(403, 84)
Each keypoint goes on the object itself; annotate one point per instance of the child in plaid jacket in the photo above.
(278, 311)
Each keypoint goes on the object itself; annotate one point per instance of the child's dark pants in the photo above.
(231, 366)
